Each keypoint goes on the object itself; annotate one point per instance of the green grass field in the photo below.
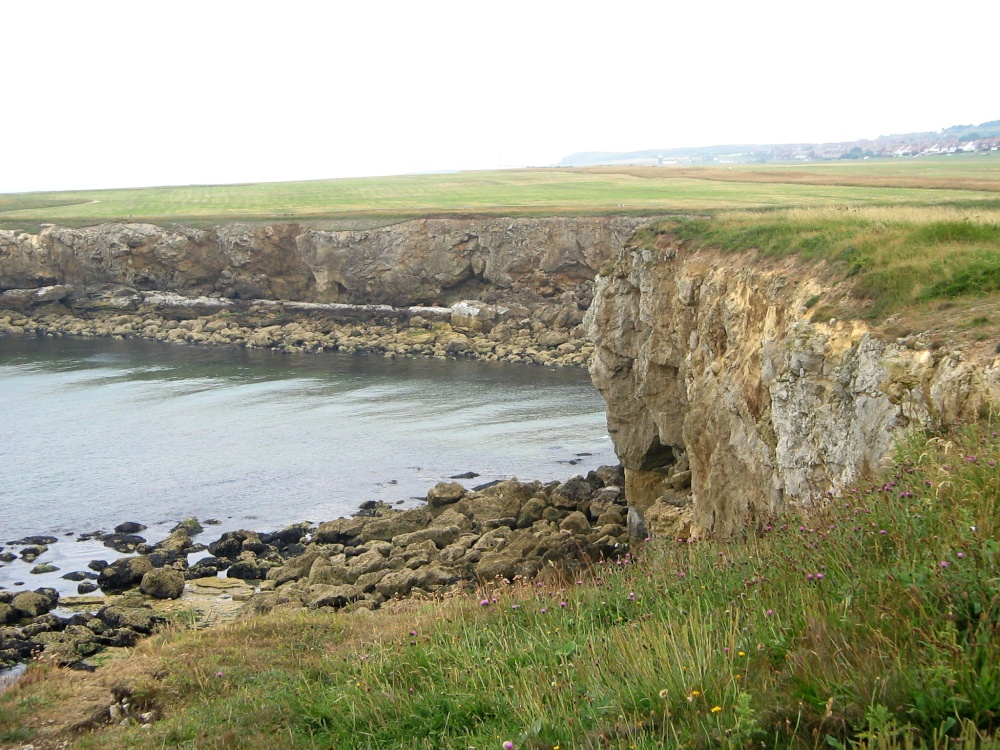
(962, 181)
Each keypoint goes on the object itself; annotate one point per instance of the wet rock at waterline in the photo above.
(457, 538)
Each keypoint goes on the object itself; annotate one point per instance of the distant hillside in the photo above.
(957, 138)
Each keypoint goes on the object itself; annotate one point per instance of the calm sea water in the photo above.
(96, 432)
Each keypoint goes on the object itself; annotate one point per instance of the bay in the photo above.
(94, 432)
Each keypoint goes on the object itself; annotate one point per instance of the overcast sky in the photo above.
(114, 94)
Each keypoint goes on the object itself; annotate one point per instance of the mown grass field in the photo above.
(872, 624)
(967, 181)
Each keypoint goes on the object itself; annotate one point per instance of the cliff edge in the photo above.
(726, 404)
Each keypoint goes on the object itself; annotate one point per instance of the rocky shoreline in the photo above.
(458, 539)
(551, 335)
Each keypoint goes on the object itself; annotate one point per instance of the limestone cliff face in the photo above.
(716, 381)
(415, 262)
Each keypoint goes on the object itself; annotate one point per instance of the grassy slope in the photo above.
(971, 180)
(872, 624)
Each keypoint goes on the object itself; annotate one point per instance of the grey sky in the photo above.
(104, 94)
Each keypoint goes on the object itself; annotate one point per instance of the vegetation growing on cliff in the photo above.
(871, 624)
(891, 257)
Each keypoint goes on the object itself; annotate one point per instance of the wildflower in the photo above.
(944, 563)
(770, 612)
(961, 555)
(218, 674)
(413, 632)
(508, 745)
(631, 596)
(695, 693)
(742, 653)
(819, 576)
(543, 610)
(664, 693)
(562, 604)
(716, 709)
(515, 606)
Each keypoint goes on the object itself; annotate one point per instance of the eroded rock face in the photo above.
(425, 261)
(715, 378)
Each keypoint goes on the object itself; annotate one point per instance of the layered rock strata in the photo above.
(508, 289)
(421, 262)
(726, 404)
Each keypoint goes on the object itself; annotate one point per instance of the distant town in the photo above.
(983, 138)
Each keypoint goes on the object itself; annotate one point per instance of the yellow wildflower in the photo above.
(716, 709)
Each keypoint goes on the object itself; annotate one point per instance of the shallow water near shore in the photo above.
(96, 432)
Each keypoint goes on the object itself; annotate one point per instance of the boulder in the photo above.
(164, 583)
(7, 614)
(232, 543)
(79, 575)
(332, 571)
(401, 582)
(370, 562)
(178, 541)
(290, 534)
(340, 531)
(571, 493)
(575, 523)
(37, 539)
(118, 638)
(139, 619)
(129, 527)
(444, 493)
(31, 604)
(531, 511)
(452, 517)
(496, 565)
(190, 525)
(384, 529)
(325, 595)
(293, 569)
(249, 568)
(124, 574)
(124, 543)
(442, 536)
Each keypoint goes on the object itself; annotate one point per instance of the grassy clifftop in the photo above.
(914, 268)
